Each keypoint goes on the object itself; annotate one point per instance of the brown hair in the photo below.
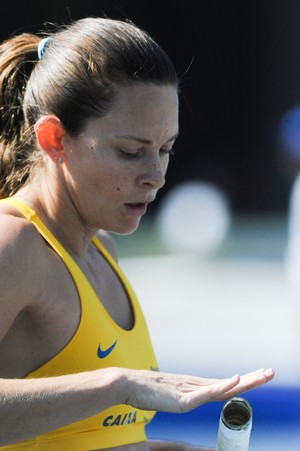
(78, 77)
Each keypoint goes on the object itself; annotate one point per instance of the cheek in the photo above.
(110, 176)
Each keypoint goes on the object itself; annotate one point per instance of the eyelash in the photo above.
(169, 152)
(128, 154)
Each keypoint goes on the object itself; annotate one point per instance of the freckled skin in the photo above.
(129, 159)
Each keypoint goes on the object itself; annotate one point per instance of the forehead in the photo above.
(139, 95)
(143, 109)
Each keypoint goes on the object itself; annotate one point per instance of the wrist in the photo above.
(108, 385)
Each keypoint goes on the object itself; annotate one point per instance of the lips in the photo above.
(138, 208)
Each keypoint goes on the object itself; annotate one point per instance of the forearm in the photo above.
(30, 407)
(164, 445)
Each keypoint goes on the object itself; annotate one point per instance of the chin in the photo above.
(126, 230)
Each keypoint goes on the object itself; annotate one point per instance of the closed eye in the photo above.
(129, 154)
(136, 154)
(168, 151)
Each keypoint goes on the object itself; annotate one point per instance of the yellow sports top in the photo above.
(97, 343)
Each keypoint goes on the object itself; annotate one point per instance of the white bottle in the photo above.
(235, 426)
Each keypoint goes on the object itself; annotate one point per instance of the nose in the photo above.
(153, 176)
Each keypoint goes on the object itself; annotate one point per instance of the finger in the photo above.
(216, 390)
(247, 384)
(269, 374)
(253, 373)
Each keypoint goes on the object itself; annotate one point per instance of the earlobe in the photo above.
(49, 133)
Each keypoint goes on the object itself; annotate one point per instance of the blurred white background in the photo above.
(218, 312)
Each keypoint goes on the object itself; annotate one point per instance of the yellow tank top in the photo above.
(97, 343)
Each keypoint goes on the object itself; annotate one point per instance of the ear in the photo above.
(49, 133)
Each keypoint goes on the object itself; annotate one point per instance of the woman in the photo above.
(87, 132)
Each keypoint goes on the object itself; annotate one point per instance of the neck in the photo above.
(60, 215)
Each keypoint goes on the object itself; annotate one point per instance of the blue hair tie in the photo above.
(42, 47)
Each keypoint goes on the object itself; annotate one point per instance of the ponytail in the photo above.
(18, 56)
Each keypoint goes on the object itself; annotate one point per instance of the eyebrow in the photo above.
(144, 140)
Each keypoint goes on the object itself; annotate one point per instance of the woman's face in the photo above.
(118, 163)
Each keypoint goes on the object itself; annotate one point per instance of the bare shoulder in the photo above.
(108, 242)
(23, 261)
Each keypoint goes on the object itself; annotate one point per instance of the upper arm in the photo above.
(20, 269)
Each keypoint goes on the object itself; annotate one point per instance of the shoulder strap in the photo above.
(32, 217)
